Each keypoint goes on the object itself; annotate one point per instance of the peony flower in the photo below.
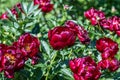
(111, 64)
(118, 32)
(72, 25)
(112, 23)
(79, 30)
(108, 53)
(13, 11)
(61, 37)
(11, 62)
(2, 51)
(29, 46)
(104, 44)
(84, 69)
(44, 5)
(12, 58)
(4, 16)
(94, 16)
(19, 6)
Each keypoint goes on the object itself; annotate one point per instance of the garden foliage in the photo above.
(60, 40)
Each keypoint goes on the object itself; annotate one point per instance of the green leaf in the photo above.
(30, 6)
(46, 47)
(38, 12)
(24, 7)
(11, 16)
(67, 73)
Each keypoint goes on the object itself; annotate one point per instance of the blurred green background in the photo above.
(9, 3)
(58, 16)
(110, 7)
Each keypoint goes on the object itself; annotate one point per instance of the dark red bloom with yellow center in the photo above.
(29, 46)
(61, 37)
(79, 30)
(94, 16)
(84, 69)
(44, 5)
(11, 61)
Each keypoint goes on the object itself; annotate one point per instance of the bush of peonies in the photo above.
(63, 36)
(14, 57)
(84, 69)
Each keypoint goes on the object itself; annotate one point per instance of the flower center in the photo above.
(43, 3)
(110, 59)
(10, 58)
(86, 68)
(27, 47)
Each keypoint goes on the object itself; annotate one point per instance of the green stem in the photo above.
(45, 20)
(51, 63)
(3, 78)
(70, 53)
(99, 27)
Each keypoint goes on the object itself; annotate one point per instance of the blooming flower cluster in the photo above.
(44, 5)
(98, 18)
(79, 30)
(63, 36)
(12, 58)
(108, 49)
(94, 16)
(13, 11)
(112, 24)
(84, 69)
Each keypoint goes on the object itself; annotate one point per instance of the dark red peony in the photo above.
(11, 61)
(2, 51)
(84, 69)
(108, 53)
(13, 11)
(61, 37)
(118, 32)
(94, 16)
(111, 64)
(109, 49)
(105, 44)
(12, 58)
(19, 6)
(4, 16)
(29, 46)
(44, 5)
(112, 23)
(79, 30)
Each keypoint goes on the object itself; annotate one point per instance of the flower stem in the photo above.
(70, 53)
(51, 63)
(3, 78)
(99, 27)
(45, 20)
